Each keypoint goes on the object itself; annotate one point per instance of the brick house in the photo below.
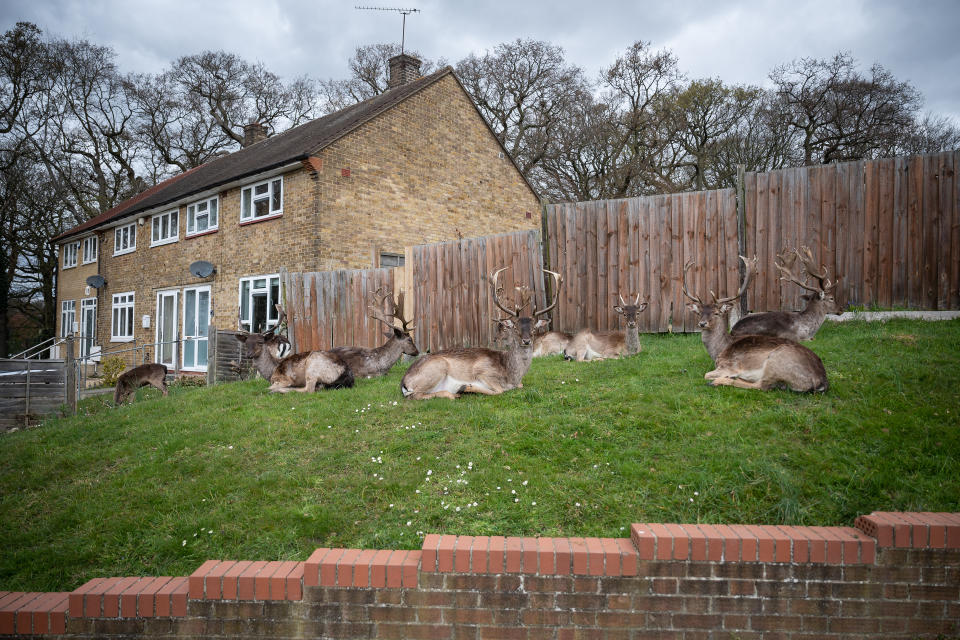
(416, 164)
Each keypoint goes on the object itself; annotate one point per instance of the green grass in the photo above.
(584, 449)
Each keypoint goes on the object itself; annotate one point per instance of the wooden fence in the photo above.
(450, 282)
(29, 389)
(639, 245)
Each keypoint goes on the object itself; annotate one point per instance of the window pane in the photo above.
(188, 350)
(202, 353)
(274, 298)
(245, 300)
(260, 208)
(203, 313)
(190, 313)
(156, 229)
(213, 212)
(277, 195)
(260, 189)
(260, 283)
(245, 211)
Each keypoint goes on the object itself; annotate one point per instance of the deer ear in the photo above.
(506, 322)
(693, 306)
(397, 332)
(642, 306)
(618, 309)
(388, 334)
(542, 322)
(725, 307)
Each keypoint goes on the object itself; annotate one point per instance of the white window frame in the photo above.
(68, 316)
(197, 290)
(172, 220)
(91, 246)
(122, 316)
(70, 251)
(213, 205)
(131, 245)
(273, 316)
(86, 346)
(249, 198)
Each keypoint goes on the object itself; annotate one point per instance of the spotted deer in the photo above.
(796, 266)
(588, 344)
(550, 343)
(451, 372)
(302, 372)
(151, 373)
(370, 363)
(752, 361)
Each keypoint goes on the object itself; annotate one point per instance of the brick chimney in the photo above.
(253, 132)
(403, 69)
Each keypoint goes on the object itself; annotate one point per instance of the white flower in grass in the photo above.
(577, 504)
(525, 482)
(516, 499)
(458, 508)
(391, 505)
(534, 503)
(409, 522)
(429, 472)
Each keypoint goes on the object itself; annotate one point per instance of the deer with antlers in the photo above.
(588, 344)
(796, 266)
(377, 362)
(302, 372)
(752, 361)
(451, 372)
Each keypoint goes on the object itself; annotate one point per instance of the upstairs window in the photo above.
(70, 254)
(125, 239)
(202, 216)
(165, 228)
(90, 249)
(262, 200)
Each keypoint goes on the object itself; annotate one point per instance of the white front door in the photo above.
(88, 325)
(167, 328)
(196, 325)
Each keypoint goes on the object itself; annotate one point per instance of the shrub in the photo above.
(112, 368)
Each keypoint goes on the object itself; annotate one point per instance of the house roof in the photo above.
(293, 145)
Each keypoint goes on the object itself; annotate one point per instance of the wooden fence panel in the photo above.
(30, 389)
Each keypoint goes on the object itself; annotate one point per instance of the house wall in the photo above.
(426, 171)
(73, 283)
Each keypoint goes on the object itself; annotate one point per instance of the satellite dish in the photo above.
(202, 269)
(96, 281)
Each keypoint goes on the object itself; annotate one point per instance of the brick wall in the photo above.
(896, 575)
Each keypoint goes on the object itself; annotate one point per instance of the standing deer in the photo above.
(151, 373)
(377, 362)
(588, 344)
(795, 325)
(752, 361)
(448, 373)
(301, 372)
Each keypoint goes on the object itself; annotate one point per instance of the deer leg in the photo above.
(737, 382)
(161, 386)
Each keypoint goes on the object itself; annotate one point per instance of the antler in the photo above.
(806, 257)
(399, 314)
(624, 302)
(786, 263)
(281, 322)
(686, 268)
(498, 290)
(751, 266)
(376, 308)
(557, 281)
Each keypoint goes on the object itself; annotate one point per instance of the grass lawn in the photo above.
(584, 449)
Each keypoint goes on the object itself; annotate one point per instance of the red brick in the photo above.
(876, 526)
(715, 542)
(800, 542)
(77, 599)
(748, 543)
(328, 567)
(231, 578)
(171, 598)
(937, 529)
(867, 547)
(445, 548)
(29, 612)
(919, 530)
(564, 556)
(58, 617)
(530, 551)
(111, 597)
(197, 578)
(818, 544)
(44, 610)
(547, 559)
(664, 541)
(394, 569)
(834, 545)
(261, 582)
(497, 555)
(378, 568)
(611, 557)
(782, 547)
(429, 548)
(461, 553)
(479, 554)
(681, 541)
(578, 549)
(346, 566)
(765, 542)
(409, 569)
(644, 540)
(128, 599)
(901, 529)
(698, 542)
(294, 582)
(13, 619)
(514, 555)
(246, 582)
(311, 572)
(278, 582)
(628, 557)
(213, 582)
(731, 543)
(361, 568)
(594, 556)
(146, 599)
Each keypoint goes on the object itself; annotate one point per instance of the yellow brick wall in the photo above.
(425, 171)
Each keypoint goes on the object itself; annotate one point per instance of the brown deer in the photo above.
(151, 373)
(301, 372)
(550, 343)
(377, 362)
(752, 361)
(796, 266)
(588, 344)
(448, 373)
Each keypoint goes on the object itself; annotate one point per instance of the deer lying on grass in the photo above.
(752, 361)
(588, 344)
(550, 343)
(151, 373)
(377, 362)
(448, 373)
(301, 372)
(795, 265)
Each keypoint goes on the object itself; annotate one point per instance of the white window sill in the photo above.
(261, 218)
(160, 243)
(194, 234)
(72, 266)
(115, 339)
(90, 261)
(120, 253)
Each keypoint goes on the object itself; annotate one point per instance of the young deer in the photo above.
(448, 373)
(301, 372)
(377, 362)
(795, 325)
(753, 361)
(151, 373)
(588, 344)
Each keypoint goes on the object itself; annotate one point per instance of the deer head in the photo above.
(630, 311)
(519, 327)
(404, 332)
(797, 265)
(712, 312)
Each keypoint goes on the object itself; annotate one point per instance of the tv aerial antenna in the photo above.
(405, 12)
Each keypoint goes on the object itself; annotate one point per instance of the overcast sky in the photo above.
(738, 42)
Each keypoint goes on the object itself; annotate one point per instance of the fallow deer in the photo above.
(796, 266)
(588, 344)
(448, 373)
(752, 361)
(377, 362)
(550, 343)
(301, 372)
(151, 373)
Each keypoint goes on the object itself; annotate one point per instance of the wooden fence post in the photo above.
(742, 231)
(26, 409)
(211, 355)
(70, 374)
